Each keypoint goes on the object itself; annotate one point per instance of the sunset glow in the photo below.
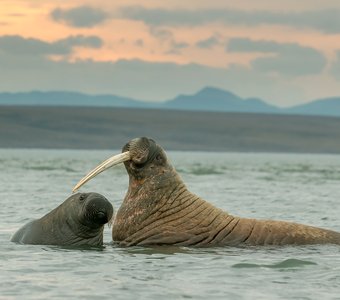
(270, 42)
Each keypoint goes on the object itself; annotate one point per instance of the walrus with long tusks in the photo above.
(158, 209)
(78, 221)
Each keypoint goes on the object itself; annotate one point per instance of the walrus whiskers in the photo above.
(110, 162)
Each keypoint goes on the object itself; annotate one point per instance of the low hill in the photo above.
(212, 99)
(67, 99)
(110, 128)
(322, 107)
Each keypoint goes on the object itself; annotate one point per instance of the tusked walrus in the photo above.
(158, 209)
(78, 221)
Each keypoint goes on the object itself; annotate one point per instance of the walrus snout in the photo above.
(142, 151)
(102, 217)
(139, 150)
(98, 209)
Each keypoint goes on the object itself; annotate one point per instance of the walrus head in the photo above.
(95, 210)
(78, 221)
(147, 160)
(151, 177)
(142, 158)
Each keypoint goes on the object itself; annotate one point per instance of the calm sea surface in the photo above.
(301, 188)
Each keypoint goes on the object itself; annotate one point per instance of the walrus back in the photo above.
(30, 233)
(200, 224)
(39, 231)
(271, 232)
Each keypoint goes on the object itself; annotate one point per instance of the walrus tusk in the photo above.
(110, 162)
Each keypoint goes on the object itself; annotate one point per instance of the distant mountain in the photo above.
(67, 99)
(322, 107)
(213, 99)
(207, 99)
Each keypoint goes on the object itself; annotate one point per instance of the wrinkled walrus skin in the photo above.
(158, 209)
(78, 221)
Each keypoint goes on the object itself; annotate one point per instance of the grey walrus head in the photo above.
(158, 209)
(78, 221)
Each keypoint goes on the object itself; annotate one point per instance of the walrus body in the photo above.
(158, 209)
(78, 221)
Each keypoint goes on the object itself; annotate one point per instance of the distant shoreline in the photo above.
(110, 128)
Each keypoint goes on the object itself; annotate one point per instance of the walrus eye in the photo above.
(82, 197)
(138, 166)
(159, 157)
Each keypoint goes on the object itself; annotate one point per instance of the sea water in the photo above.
(292, 187)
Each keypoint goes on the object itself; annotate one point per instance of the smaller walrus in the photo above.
(78, 221)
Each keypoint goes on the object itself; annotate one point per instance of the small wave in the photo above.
(205, 171)
(309, 171)
(286, 264)
(152, 250)
(49, 168)
(201, 170)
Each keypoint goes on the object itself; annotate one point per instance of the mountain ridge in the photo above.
(206, 99)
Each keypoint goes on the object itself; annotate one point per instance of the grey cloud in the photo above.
(151, 81)
(80, 40)
(166, 37)
(288, 59)
(82, 16)
(176, 47)
(323, 20)
(208, 43)
(16, 44)
(179, 45)
(20, 46)
(158, 17)
(248, 45)
(161, 34)
(139, 43)
(335, 68)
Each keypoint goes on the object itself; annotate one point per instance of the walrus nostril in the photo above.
(101, 217)
(101, 214)
(139, 150)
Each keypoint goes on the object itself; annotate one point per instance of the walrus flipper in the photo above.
(31, 233)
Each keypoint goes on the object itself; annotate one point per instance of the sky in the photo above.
(284, 52)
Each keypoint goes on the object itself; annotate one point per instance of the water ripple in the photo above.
(286, 264)
(300, 188)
